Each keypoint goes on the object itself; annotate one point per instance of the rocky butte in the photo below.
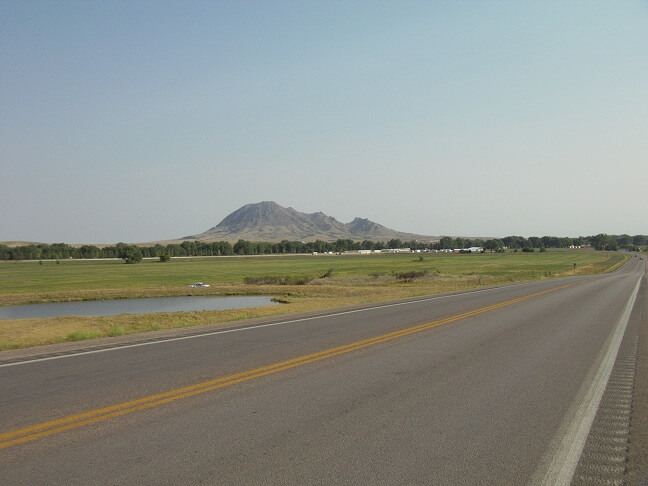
(269, 221)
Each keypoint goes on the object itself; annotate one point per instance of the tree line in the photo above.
(133, 253)
(58, 251)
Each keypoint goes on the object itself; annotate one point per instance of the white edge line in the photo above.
(571, 436)
(240, 329)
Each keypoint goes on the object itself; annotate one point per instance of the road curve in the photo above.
(481, 387)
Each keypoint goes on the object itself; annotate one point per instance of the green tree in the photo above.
(624, 240)
(243, 247)
(535, 242)
(447, 243)
(493, 245)
(89, 251)
(516, 242)
(129, 253)
(640, 240)
(603, 241)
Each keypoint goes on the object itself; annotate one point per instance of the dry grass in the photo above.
(21, 333)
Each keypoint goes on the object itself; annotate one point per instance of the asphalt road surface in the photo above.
(496, 386)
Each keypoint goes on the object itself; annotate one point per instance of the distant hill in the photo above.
(268, 221)
(13, 244)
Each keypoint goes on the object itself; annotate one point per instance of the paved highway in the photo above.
(497, 386)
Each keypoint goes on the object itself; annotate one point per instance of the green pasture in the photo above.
(350, 280)
(50, 276)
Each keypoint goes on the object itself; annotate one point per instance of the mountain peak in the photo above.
(366, 227)
(265, 213)
(269, 221)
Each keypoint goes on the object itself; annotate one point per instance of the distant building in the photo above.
(472, 249)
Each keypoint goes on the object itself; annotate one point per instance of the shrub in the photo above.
(278, 280)
(83, 335)
(165, 258)
(133, 259)
(116, 331)
(528, 250)
(409, 276)
(327, 274)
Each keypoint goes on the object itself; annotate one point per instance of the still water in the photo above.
(132, 306)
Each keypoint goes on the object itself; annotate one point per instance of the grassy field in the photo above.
(352, 279)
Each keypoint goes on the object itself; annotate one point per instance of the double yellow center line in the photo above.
(45, 429)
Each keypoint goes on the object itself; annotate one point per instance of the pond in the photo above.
(133, 306)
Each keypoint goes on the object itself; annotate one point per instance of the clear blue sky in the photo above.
(141, 121)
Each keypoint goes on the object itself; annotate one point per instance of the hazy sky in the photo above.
(138, 121)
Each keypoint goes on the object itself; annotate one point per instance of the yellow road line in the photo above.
(45, 429)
